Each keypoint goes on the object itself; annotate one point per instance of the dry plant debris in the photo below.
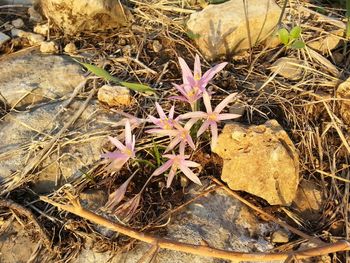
(306, 107)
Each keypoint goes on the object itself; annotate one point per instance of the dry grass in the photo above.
(307, 109)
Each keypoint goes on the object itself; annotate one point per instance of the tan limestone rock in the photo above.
(222, 29)
(85, 15)
(260, 160)
(114, 96)
(289, 68)
(343, 92)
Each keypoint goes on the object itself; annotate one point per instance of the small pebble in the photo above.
(18, 23)
(157, 46)
(279, 237)
(127, 50)
(48, 47)
(114, 96)
(7, 26)
(3, 38)
(34, 15)
(70, 48)
(33, 39)
(41, 29)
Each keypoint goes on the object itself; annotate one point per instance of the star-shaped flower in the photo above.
(211, 118)
(176, 162)
(124, 153)
(197, 80)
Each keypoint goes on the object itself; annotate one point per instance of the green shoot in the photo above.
(291, 39)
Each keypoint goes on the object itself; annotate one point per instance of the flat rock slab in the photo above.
(24, 133)
(222, 29)
(35, 78)
(260, 160)
(216, 218)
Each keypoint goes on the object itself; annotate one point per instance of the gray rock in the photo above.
(37, 78)
(260, 160)
(17, 2)
(222, 29)
(289, 68)
(3, 38)
(84, 15)
(18, 23)
(216, 219)
(309, 200)
(23, 133)
(33, 39)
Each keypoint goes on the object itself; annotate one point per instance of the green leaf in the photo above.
(283, 36)
(138, 87)
(157, 154)
(295, 32)
(215, 2)
(192, 35)
(100, 72)
(298, 44)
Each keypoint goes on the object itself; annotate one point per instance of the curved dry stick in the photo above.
(197, 249)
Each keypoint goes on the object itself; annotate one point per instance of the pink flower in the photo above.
(119, 158)
(117, 196)
(211, 117)
(176, 162)
(164, 122)
(189, 94)
(179, 135)
(196, 80)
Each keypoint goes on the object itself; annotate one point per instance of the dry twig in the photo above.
(201, 250)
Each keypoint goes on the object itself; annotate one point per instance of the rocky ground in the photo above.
(277, 181)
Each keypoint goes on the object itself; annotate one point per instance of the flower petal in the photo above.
(118, 195)
(153, 119)
(160, 111)
(173, 143)
(117, 164)
(228, 116)
(203, 128)
(197, 72)
(171, 176)
(113, 155)
(163, 168)
(163, 132)
(207, 104)
(190, 163)
(117, 143)
(190, 141)
(195, 114)
(186, 72)
(224, 102)
(179, 98)
(171, 112)
(214, 135)
(128, 135)
(181, 89)
(189, 124)
(190, 175)
(207, 76)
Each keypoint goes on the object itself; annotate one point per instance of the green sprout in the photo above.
(291, 39)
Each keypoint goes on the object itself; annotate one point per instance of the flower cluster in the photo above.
(192, 90)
